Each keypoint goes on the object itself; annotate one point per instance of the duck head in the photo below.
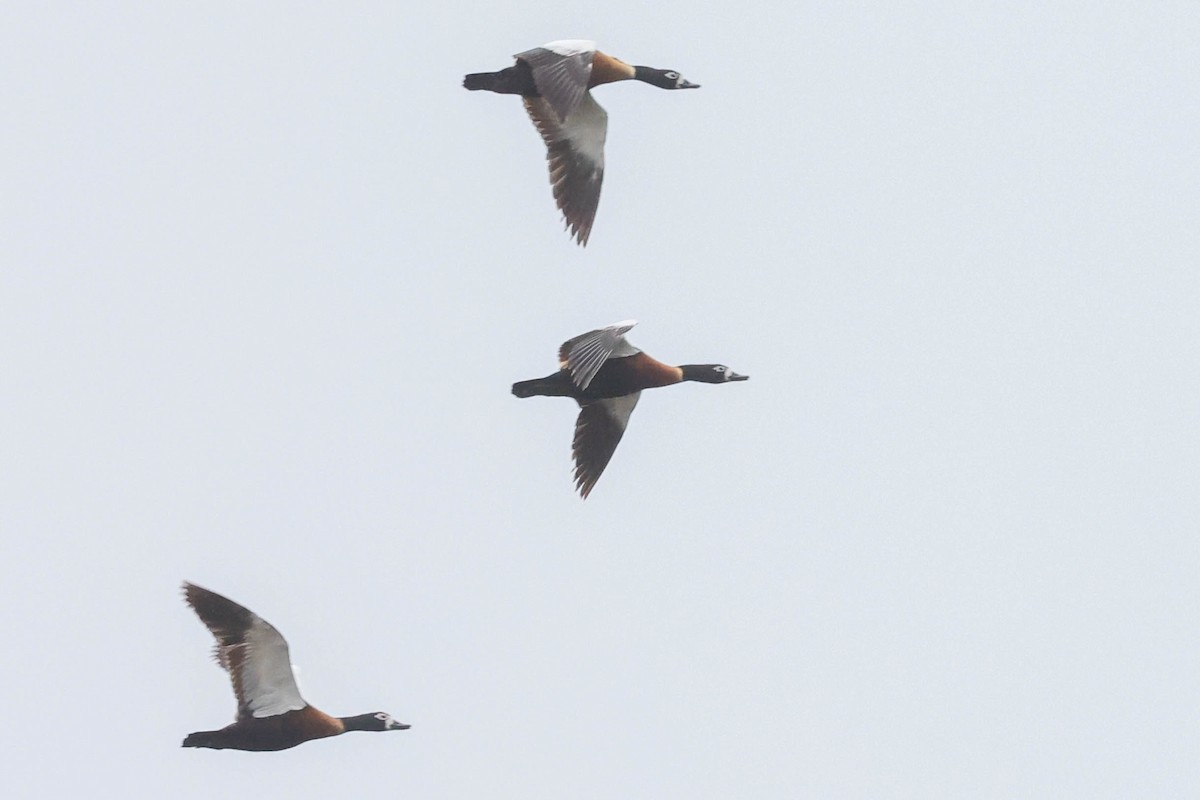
(663, 78)
(379, 721)
(711, 373)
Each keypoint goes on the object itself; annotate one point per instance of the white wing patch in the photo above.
(575, 156)
(265, 675)
(586, 129)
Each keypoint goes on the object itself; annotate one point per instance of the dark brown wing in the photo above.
(598, 431)
(575, 152)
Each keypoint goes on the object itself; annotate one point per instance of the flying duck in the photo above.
(606, 374)
(271, 713)
(554, 81)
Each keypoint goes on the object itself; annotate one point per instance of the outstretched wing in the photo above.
(253, 653)
(585, 354)
(575, 155)
(561, 72)
(598, 431)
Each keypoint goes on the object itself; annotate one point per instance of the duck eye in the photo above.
(381, 717)
(719, 369)
(673, 76)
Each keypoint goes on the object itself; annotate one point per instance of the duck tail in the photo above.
(550, 386)
(481, 81)
(510, 80)
(527, 388)
(200, 739)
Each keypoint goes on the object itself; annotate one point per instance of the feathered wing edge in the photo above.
(251, 650)
(575, 157)
(586, 353)
(598, 431)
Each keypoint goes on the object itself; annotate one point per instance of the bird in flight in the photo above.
(554, 82)
(271, 714)
(606, 374)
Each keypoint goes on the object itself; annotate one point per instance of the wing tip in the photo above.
(585, 480)
(190, 591)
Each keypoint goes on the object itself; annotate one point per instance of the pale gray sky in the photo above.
(267, 273)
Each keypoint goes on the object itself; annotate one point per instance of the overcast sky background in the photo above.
(267, 273)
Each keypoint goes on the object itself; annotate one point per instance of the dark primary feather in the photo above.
(227, 622)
